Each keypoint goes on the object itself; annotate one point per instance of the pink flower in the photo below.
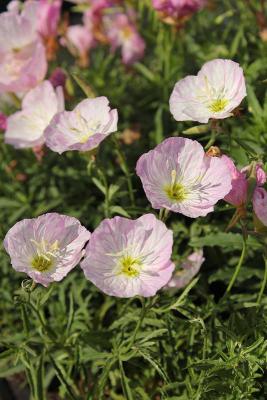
(122, 33)
(26, 128)
(189, 268)
(3, 121)
(93, 16)
(215, 92)
(178, 8)
(48, 16)
(238, 194)
(82, 129)
(46, 248)
(179, 176)
(22, 55)
(79, 40)
(126, 258)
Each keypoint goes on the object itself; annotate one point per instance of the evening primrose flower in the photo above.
(179, 176)
(82, 129)
(79, 40)
(122, 33)
(189, 268)
(215, 92)
(125, 258)
(48, 16)
(46, 248)
(25, 128)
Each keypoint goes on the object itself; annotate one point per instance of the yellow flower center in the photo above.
(130, 266)
(41, 263)
(126, 32)
(85, 129)
(175, 191)
(43, 260)
(218, 105)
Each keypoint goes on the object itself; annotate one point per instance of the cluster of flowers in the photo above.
(28, 38)
(108, 22)
(132, 257)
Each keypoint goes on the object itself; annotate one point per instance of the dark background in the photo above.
(3, 4)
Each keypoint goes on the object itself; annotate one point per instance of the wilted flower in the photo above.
(238, 194)
(125, 258)
(79, 40)
(189, 268)
(58, 77)
(260, 204)
(46, 248)
(3, 121)
(26, 128)
(22, 54)
(122, 33)
(179, 176)
(240, 185)
(172, 11)
(215, 92)
(82, 129)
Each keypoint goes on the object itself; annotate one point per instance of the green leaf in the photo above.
(90, 354)
(154, 364)
(142, 69)
(119, 210)
(225, 240)
(124, 382)
(88, 91)
(100, 186)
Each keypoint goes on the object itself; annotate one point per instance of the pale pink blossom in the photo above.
(179, 176)
(26, 128)
(214, 92)
(238, 194)
(93, 15)
(122, 33)
(48, 16)
(46, 248)
(79, 40)
(22, 55)
(82, 129)
(188, 269)
(126, 258)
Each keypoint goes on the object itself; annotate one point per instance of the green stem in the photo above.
(212, 139)
(125, 170)
(163, 214)
(263, 285)
(105, 182)
(138, 325)
(240, 262)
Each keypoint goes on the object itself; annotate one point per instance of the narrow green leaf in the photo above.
(124, 382)
(197, 130)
